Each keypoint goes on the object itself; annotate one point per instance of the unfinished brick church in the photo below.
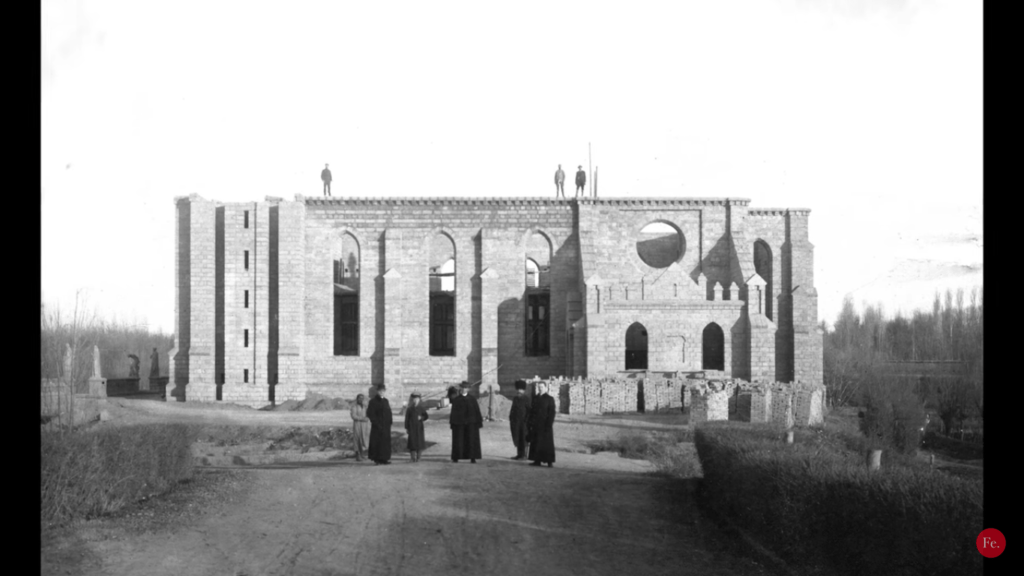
(331, 295)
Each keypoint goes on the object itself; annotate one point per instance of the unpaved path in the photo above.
(590, 514)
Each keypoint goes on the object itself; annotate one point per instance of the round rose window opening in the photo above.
(659, 244)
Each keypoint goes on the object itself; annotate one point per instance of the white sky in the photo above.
(867, 112)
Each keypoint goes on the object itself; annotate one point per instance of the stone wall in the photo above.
(266, 269)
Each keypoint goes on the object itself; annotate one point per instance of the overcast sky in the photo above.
(867, 112)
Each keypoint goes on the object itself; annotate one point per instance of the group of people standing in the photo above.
(581, 181)
(531, 424)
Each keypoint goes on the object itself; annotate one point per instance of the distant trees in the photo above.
(858, 346)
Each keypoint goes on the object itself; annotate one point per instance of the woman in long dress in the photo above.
(414, 417)
(360, 428)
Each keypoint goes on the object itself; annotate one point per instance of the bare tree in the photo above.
(65, 361)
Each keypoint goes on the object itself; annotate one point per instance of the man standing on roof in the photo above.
(581, 181)
(325, 175)
(559, 182)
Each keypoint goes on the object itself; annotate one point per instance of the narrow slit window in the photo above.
(246, 259)
(246, 298)
(246, 331)
(246, 218)
(245, 375)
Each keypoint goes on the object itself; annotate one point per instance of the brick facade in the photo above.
(595, 283)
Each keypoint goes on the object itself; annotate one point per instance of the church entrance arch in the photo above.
(636, 347)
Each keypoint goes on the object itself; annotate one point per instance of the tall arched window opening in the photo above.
(346, 298)
(713, 348)
(763, 267)
(442, 296)
(537, 337)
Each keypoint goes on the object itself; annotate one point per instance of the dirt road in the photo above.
(590, 514)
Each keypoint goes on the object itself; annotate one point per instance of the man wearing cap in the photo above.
(379, 413)
(466, 422)
(581, 181)
(325, 175)
(542, 420)
(518, 418)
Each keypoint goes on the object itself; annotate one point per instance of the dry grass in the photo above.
(94, 472)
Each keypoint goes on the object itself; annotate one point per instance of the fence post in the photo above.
(874, 459)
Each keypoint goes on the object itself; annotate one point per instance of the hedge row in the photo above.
(92, 472)
(816, 504)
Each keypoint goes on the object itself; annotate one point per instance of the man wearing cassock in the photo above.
(379, 413)
(466, 422)
(542, 421)
(518, 419)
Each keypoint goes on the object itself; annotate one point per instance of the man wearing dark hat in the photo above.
(581, 181)
(542, 421)
(466, 422)
(325, 175)
(379, 413)
(518, 418)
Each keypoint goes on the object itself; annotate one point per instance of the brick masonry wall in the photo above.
(202, 264)
(489, 237)
(292, 331)
(178, 365)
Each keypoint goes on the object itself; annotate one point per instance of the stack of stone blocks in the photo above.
(710, 400)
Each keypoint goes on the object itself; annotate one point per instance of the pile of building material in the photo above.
(754, 401)
(782, 406)
(663, 394)
(709, 399)
(808, 404)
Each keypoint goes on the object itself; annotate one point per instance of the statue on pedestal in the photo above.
(96, 370)
(133, 370)
(154, 364)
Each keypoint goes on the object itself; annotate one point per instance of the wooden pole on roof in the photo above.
(589, 169)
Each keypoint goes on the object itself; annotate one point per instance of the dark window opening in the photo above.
(346, 325)
(763, 267)
(442, 324)
(246, 298)
(246, 218)
(636, 347)
(246, 259)
(245, 375)
(246, 338)
(538, 312)
(714, 348)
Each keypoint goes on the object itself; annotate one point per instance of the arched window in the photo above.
(442, 295)
(537, 337)
(532, 274)
(538, 255)
(763, 267)
(636, 347)
(346, 297)
(713, 347)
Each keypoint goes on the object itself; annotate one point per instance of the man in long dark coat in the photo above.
(379, 413)
(518, 419)
(542, 421)
(466, 422)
